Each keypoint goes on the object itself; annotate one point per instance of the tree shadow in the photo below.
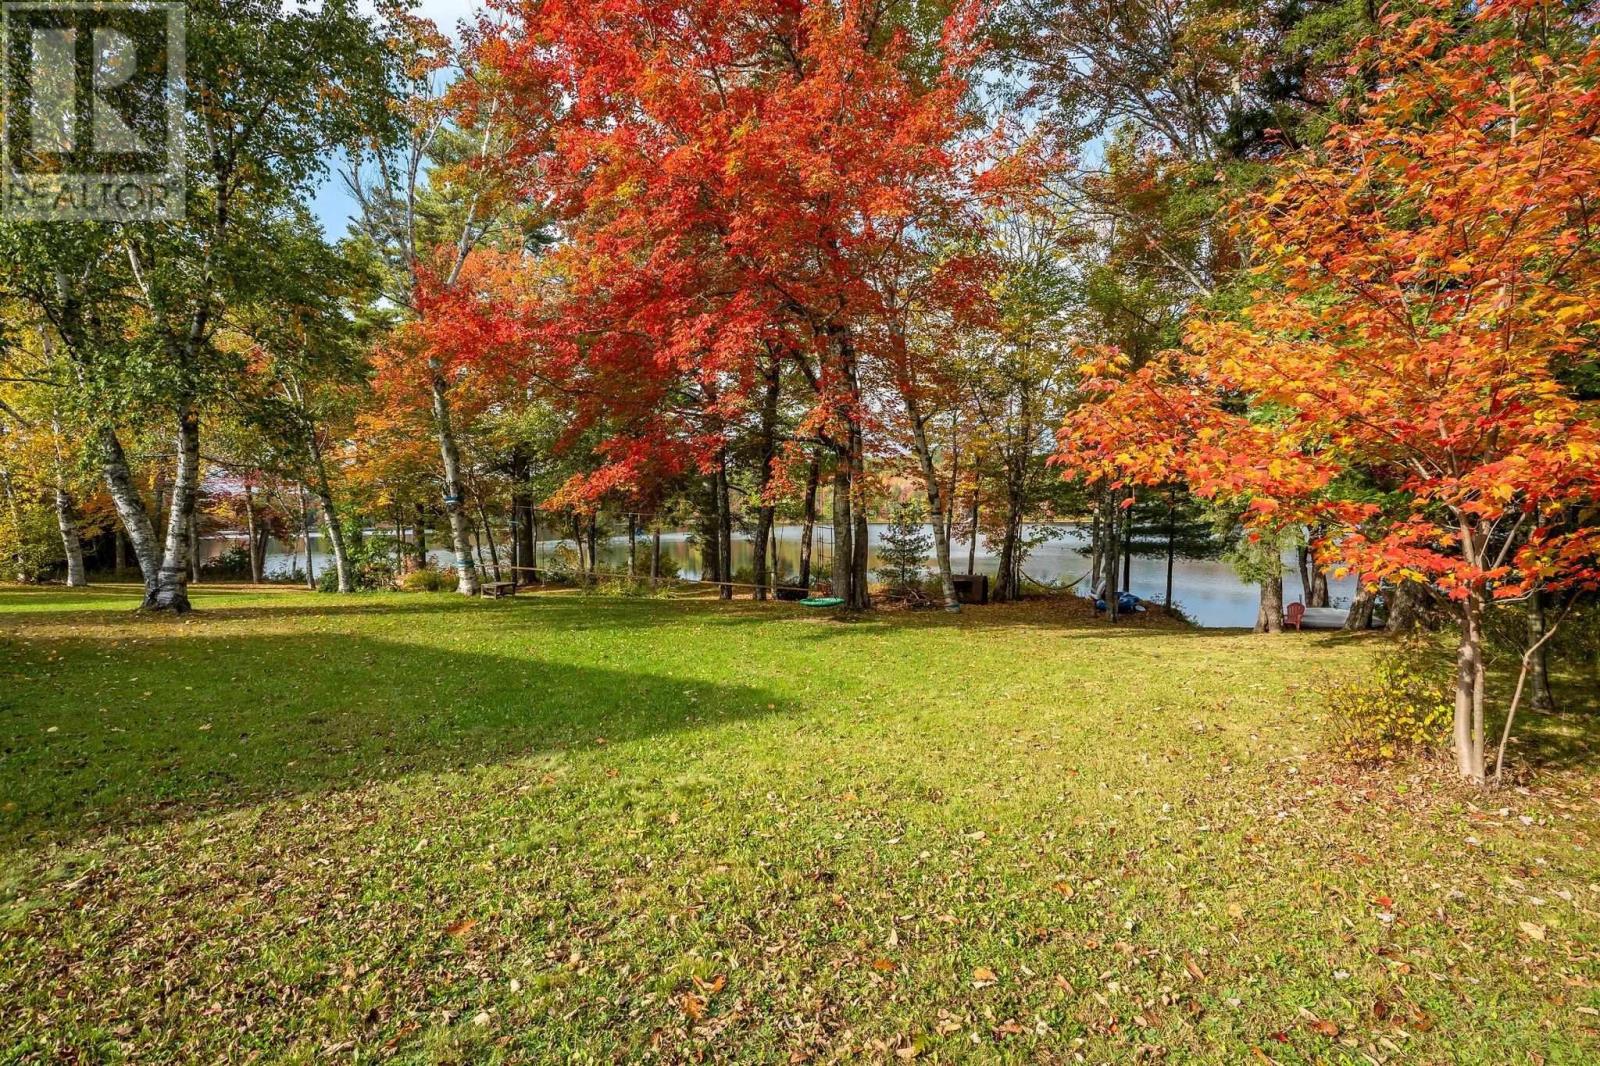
(95, 736)
(1563, 739)
(574, 607)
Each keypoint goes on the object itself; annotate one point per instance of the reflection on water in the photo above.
(1209, 591)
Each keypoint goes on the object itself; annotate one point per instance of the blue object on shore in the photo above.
(1127, 603)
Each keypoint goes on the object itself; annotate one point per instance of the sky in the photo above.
(332, 203)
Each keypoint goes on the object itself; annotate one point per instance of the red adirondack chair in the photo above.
(1293, 614)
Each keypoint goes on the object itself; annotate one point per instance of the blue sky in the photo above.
(332, 204)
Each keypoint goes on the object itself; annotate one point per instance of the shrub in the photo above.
(427, 579)
(1402, 706)
(30, 543)
(561, 566)
(371, 562)
(235, 562)
(623, 586)
(669, 566)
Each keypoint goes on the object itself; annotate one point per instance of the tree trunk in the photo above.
(767, 512)
(522, 520)
(849, 504)
(454, 490)
(594, 546)
(930, 481)
(655, 554)
(1008, 584)
(194, 550)
(518, 559)
(336, 541)
(724, 511)
(1405, 608)
(861, 543)
(1127, 550)
(764, 531)
(972, 541)
(66, 515)
(163, 503)
(1359, 618)
(1172, 536)
(1097, 550)
(250, 534)
(422, 535)
(324, 493)
(488, 537)
(808, 517)
(955, 477)
(130, 507)
(1467, 730)
(71, 543)
(843, 533)
(1539, 663)
(305, 534)
(263, 537)
(1112, 536)
(633, 544)
(119, 550)
(1302, 558)
(1269, 618)
(171, 591)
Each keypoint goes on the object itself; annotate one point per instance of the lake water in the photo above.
(1209, 591)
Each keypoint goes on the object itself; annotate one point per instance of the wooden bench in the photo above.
(493, 590)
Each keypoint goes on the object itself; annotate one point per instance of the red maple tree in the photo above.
(1432, 279)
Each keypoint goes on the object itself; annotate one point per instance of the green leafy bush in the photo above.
(30, 544)
(371, 562)
(1401, 707)
(234, 563)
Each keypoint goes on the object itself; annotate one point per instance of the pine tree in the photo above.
(905, 547)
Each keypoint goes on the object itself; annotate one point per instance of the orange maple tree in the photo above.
(1430, 281)
(728, 178)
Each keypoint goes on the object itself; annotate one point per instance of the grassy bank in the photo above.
(563, 828)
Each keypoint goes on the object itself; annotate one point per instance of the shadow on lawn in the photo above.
(91, 740)
(574, 607)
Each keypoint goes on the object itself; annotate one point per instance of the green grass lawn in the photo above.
(560, 828)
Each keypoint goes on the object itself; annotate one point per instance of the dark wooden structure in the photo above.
(971, 588)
